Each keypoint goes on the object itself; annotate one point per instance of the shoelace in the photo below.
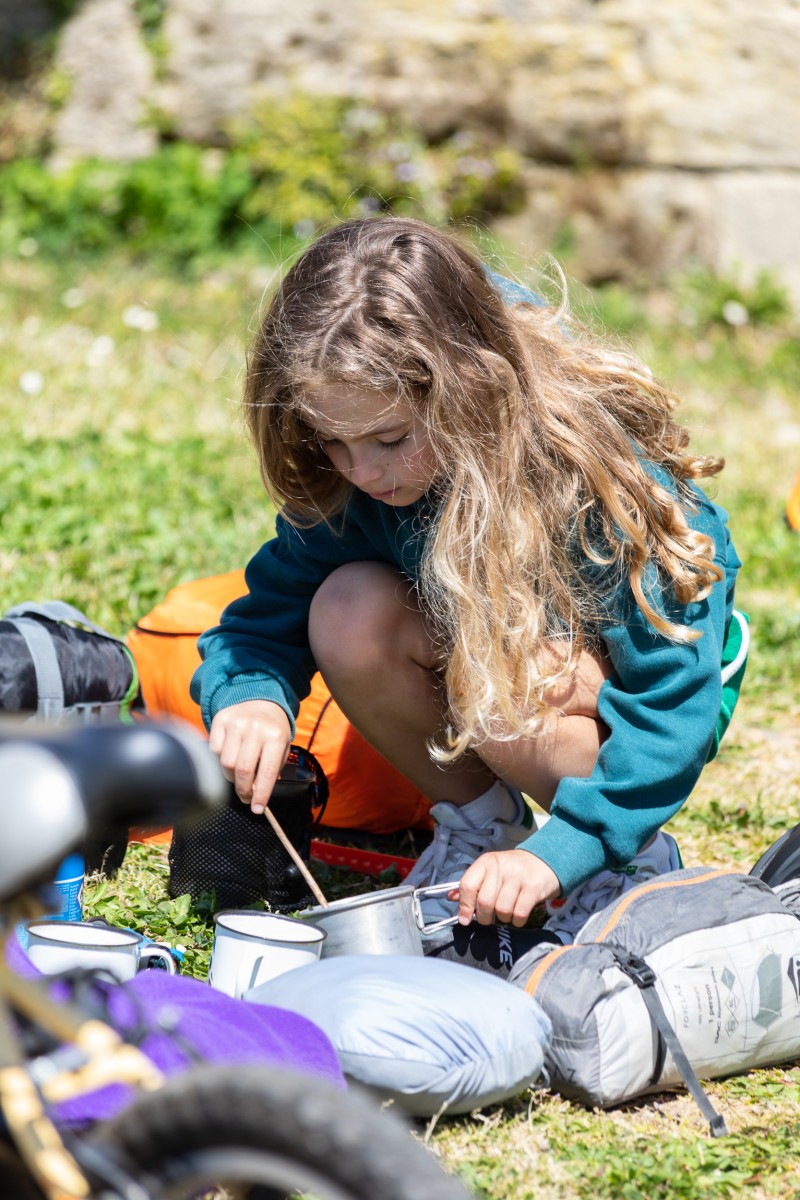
(589, 899)
(465, 841)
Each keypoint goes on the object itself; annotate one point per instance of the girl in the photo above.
(492, 547)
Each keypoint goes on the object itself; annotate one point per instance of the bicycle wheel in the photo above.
(258, 1133)
(15, 1178)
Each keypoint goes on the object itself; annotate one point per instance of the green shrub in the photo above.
(709, 299)
(180, 202)
(289, 168)
(315, 158)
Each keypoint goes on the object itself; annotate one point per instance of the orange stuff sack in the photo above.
(366, 792)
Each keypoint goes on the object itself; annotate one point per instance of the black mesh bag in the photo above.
(235, 853)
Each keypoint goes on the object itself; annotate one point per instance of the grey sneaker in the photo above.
(569, 914)
(498, 820)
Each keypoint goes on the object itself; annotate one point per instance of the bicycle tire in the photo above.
(278, 1133)
(16, 1181)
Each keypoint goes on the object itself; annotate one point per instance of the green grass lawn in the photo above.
(124, 472)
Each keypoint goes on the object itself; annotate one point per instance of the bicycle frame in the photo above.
(100, 1057)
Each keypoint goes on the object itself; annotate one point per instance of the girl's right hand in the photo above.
(252, 741)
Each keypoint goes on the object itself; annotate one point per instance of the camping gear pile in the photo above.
(695, 974)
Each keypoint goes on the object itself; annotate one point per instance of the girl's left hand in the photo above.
(504, 885)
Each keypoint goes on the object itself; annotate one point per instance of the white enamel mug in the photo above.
(55, 946)
(252, 947)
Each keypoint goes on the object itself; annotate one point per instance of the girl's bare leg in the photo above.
(375, 652)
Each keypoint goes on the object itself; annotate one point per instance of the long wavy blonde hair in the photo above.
(540, 434)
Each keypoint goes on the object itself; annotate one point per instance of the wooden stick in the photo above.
(292, 851)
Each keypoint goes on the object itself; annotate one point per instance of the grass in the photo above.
(124, 471)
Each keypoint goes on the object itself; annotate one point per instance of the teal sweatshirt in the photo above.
(660, 704)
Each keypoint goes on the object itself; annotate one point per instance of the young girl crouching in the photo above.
(492, 546)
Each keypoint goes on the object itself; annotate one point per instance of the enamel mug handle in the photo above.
(156, 950)
(436, 889)
(247, 973)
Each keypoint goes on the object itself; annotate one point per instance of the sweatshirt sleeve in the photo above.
(260, 650)
(661, 706)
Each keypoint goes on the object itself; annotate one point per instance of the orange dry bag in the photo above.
(366, 792)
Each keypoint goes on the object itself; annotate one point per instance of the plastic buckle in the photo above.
(637, 969)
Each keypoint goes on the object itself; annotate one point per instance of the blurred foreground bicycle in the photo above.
(252, 1133)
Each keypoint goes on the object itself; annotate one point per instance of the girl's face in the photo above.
(377, 442)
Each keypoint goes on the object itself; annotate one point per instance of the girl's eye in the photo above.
(398, 442)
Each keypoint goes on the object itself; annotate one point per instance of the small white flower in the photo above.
(28, 247)
(101, 348)
(135, 316)
(304, 228)
(735, 313)
(31, 382)
(73, 298)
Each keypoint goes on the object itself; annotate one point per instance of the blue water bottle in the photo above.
(69, 886)
(68, 890)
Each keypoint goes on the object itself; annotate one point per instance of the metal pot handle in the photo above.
(435, 889)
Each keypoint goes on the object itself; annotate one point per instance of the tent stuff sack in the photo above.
(694, 974)
(366, 792)
(235, 853)
(432, 1036)
(59, 666)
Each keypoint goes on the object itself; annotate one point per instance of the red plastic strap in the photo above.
(366, 862)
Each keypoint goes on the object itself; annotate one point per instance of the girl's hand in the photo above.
(505, 885)
(252, 742)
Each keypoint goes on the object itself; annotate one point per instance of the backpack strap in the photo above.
(644, 977)
(58, 610)
(49, 686)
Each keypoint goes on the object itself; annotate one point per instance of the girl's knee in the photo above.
(356, 614)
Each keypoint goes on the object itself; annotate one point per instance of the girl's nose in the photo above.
(363, 470)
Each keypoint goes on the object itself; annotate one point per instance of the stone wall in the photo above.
(654, 131)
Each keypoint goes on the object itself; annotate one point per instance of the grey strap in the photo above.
(49, 686)
(644, 977)
(58, 610)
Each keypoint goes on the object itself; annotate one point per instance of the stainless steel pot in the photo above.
(384, 922)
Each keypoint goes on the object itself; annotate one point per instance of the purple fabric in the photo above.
(219, 1029)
